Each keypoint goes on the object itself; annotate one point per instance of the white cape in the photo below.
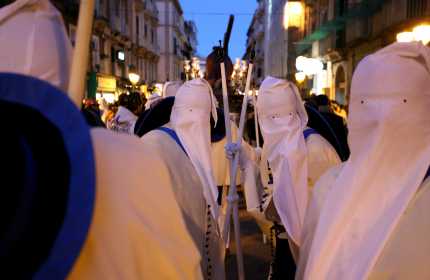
(407, 251)
(188, 190)
(137, 231)
(321, 157)
(389, 139)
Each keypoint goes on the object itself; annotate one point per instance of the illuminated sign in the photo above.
(106, 84)
(120, 55)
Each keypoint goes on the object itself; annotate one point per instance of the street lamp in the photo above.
(405, 37)
(238, 76)
(195, 67)
(309, 66)
(133, 76)
(293, 14)
(420, 33)
(192, 68)
(300, 77)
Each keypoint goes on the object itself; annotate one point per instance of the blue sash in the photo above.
(173, 135)
(308, 132)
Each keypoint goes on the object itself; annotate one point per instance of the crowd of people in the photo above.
(137, 190)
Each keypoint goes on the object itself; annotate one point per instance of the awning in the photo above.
(92, 85)
(364, 9)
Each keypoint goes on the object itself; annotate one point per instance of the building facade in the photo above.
(124, 40)
(177, 40)
(147, 37)
(335, 35)
(341, 33)
(190, 46)
(255, 43)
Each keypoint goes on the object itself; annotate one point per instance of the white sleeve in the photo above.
(321, 157)
(316, 202)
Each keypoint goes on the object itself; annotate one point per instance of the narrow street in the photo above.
(256, 253)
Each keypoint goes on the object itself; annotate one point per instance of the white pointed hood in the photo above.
(171, 88)
(389, 136)
(282, 119)
(190, 118)
(34, 42)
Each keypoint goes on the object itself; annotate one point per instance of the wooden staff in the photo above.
(257, 133)
(81, 52)
(232, 198)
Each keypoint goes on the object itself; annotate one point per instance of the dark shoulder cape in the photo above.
(159, 115)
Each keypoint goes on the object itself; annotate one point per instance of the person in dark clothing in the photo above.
(154, 117)
(91, 113)
(133, 102)
(92, 117)
(213, 72)
(331, 126)
(159, 115)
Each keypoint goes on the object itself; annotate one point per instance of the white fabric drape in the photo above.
(34, 42)
(282, 118)
(138, 230)
(190, 118)
(389, 139)
(171, 88)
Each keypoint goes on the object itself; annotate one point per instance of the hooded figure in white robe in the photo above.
(368, 218)
(184, 144)
(290, 164)
(124, 121)
(137, 231)
(34, 42)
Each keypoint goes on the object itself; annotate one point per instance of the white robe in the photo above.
(406, 254)
(189, 194)
(34, 42)
(137, 231)
(321, 156)
(124, 121)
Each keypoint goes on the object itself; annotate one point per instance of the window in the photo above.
(416, 8)
(137, 29)
(341, 7)
(117, 7)
(126, 11)
(152, 36)
(146, 31)
(175, 46)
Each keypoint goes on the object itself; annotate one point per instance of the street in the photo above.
(256, 254)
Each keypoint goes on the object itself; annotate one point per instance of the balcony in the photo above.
(354, 12)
